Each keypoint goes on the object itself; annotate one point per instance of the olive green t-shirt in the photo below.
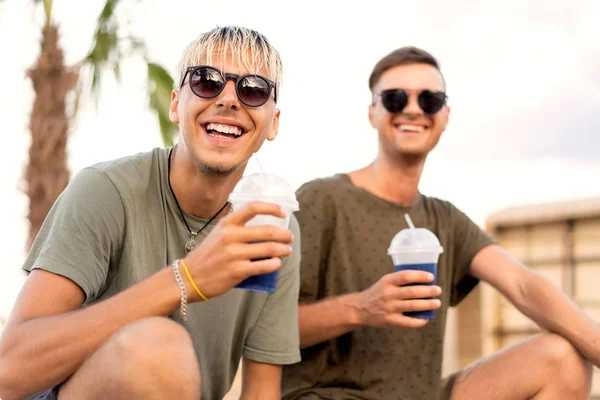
(346, 232)
(117, 223)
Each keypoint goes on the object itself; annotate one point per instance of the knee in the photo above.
(155, 352)
(567, 364)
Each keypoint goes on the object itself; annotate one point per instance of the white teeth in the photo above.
(230, 129)
(412, 128)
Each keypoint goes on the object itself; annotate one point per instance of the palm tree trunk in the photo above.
(47, 174)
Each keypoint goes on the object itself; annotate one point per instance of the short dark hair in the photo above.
(402, 56)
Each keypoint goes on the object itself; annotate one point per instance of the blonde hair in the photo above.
(247, 47)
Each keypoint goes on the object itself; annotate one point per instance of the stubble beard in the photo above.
(217, 171)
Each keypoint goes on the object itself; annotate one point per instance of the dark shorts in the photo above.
(51, 394)
(446, 386)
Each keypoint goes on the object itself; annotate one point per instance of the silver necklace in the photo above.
(190, 244)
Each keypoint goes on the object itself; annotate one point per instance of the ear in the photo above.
(173, 114)
(445, 116)
(371, 115)
(275, 126)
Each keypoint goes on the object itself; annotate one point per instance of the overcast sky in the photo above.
(523, 80)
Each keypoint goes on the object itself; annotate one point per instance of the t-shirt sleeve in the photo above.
(82, 233)
(469, 239)
(316, 219)
(274, 339)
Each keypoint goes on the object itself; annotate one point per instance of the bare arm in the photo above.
(47, 337)
(538, 299)
(260, 381)
(44, 332)
(382, 305)
(328, 319)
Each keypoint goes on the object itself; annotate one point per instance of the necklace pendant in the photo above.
(189, 246)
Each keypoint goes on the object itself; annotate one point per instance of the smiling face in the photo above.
(220, 134)
(410, 132)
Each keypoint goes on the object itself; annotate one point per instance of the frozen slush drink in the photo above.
(416, 249)
(267, 188)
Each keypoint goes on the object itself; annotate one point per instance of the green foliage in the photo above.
(47, 8)
(107, 52)
(160, 85)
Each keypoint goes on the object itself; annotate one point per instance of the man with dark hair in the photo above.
(356, 341)
(402, 56)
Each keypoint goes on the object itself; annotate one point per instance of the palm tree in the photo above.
(47, 174)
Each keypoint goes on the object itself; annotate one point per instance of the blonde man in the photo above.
(115, 305)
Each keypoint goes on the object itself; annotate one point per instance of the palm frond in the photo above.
(160, 85)
(76, 100)
(47, 8)
(105, 52)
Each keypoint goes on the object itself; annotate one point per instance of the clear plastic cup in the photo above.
(271, 189)
(416, 249)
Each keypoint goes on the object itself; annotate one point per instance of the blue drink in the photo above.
(416, 249)
(261, 283)
(429, 267)
(268, 188)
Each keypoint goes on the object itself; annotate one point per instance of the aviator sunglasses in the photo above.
(208, 82)
(394, 100)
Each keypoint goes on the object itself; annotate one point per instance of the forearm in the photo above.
(328, 319)
(39, 353)
(275, 395)
(553, 310)
(266, 391)
(260, 381)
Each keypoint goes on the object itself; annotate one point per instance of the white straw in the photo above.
(409, 221)
(259, 164)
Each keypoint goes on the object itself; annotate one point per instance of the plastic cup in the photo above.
(416, 249)
(267, 188)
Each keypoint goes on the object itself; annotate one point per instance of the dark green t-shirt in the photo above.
(346, 232)
(117, 223)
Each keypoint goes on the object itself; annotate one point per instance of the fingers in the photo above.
(260, 267)
(406, 277)
(249, 211)
(263, 266)
(392, 293)
(401, 306)
(259, 250)
(264, 233)
(419, 291)
(404, 321)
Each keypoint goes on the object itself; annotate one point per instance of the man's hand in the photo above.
(223, 259)
(383, 304)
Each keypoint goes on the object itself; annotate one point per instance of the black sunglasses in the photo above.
(394, 100)
(208, 82)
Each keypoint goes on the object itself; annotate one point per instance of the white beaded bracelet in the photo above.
(179, 280)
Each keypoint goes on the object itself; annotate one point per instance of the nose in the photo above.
(228, 97)
(412, 108)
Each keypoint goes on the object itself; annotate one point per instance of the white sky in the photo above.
(523, 81)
